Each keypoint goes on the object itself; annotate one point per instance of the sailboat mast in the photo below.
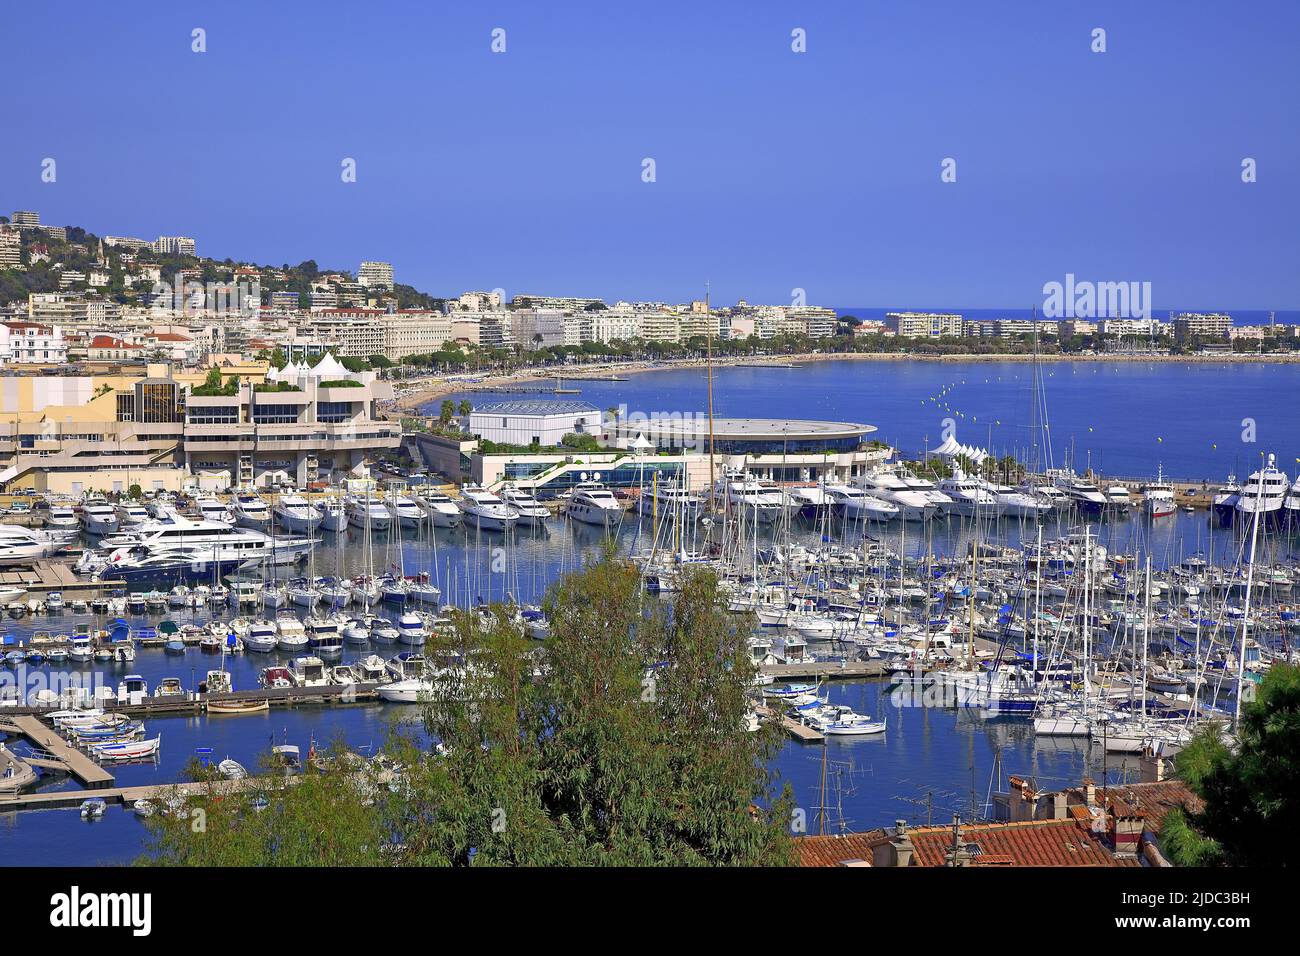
(708, 348)
(1250, 580)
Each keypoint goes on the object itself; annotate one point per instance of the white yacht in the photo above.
(593, 503)
(1042, 490)
(1083, 494)
(808, 500)
(529, 512)
(1225, 500)
(333, 515)
(210, 509)
(309, 671)
(250, 511)
(969, 496)
(295, 513)
(913, 504)
(757, 501)
(98, 518)
(857, 505)
(19, 544)
(131, 515)
(364, 510)
(442, 511)
(1263, 493)
(61, 517)
(485, 510)
(405, 511)
(1015, 503)
(1158, 497)
(1118, 497)
(1291, 506)
(217, 540)
(928, 488)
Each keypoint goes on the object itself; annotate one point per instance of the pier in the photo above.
(56, 752)
(824, 670)
(800, 732)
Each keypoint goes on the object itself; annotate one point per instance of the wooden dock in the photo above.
(43, 575)
(824, 670)
(798, 731)
(59, 752)
(64, 799)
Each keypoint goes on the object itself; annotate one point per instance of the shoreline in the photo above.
(439, 387)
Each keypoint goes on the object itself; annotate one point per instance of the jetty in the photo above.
(53, 752)
(824, 670)
(800, 732)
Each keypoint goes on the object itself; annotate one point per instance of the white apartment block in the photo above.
(376, 274)
(1138, 327)
(618, 324)
(813, 321)
(924, 324)
(174, 246)
(128, 242)
(30, 343)
(70, 277)
(25, 219)
(480, 301)
(537, 328)
(489, 329)
(11, 252)
(1211, 324)
(415, 332)
(324, 299)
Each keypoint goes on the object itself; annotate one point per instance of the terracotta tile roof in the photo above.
(1151, 800)
(1042, 843)
(1031, 843)
(836, 850)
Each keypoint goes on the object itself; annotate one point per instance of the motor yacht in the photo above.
(442, 511)
(295, 513)
(1083, 494)
(593, 503)
(969, 496)
(1264, 493)
(529, 512)
(405, 511)
(484, 510)
(98, 518)
(210, 509)
(333, 515)
(911, 503)
(1015, 503)
(1158, 497)
(856, 505)
(755, 500)
(365, 511)
(250, 511)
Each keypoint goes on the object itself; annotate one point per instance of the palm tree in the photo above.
(465, 407)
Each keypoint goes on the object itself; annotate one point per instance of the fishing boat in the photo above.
(93, 808)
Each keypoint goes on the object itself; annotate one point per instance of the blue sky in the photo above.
(775, 170)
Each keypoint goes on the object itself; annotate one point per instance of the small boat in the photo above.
(127, 749)
(232, 769)
(144, 808)
(93, 809)
(169, 687)
(54, 601)
(238, 706)
(288, 757)
(277, 676)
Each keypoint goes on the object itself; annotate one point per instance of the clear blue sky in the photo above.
(775, 170)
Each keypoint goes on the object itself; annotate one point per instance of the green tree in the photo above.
(464, 408)
(1252, 793)
(446, 411)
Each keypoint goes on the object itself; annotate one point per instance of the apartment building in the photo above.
(491, 329)
(1148, 328)
(25, 219)
(11, 250)
(283, 300)
(538, 328)
(127, 242)
(480, 301)
(618, 324)
(1215, 325)
(415, 332)
(924, 324)
(31, 343)
(174, 246)
(376, 274)
(1068, 328)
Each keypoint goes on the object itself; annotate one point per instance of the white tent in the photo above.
(951, 448)
(329, 367)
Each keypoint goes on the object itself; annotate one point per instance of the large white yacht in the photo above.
(442, 511)
(19, 544)
(405, 511)
(210, 509)
(218, 540)
(913, 504)
(295, 513)
(364, 510)
(528, 510)
(1042, 490)
(484, 510)
(857, 505)
(756, 500)
(593, 503)
(969, 496)
(1263, 493)
(250, 511)
(926, 487)
(98, 518)
(1083, 494)
(131, 515)
(1015, 503)
(1158, 496)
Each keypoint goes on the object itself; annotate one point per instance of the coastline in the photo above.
(436, 387)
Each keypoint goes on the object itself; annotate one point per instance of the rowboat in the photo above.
(127, 749)
(238, 706)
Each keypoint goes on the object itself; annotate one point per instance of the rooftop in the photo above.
(697, 425)
(535, 407)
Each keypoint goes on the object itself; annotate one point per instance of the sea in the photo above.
(1126, 419)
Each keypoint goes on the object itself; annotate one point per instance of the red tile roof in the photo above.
(108, 342)
(1151, 801)
(1067, 842)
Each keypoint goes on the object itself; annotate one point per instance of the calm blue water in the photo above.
(930, 763)
(1123, 418)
